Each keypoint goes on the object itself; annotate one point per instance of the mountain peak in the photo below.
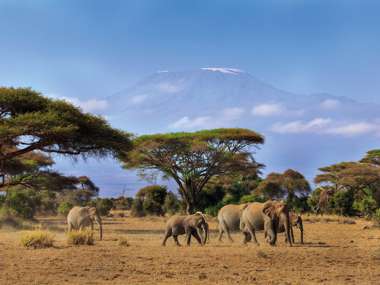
(226, 70)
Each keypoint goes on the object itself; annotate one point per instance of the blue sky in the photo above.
(89, 50)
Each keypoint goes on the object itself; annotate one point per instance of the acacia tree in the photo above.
(362, 179)
(192, 159)
(289, 184)
(30, 122)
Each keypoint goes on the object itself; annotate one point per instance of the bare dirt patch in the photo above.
(333, 253)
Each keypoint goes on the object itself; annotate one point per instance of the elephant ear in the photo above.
(269, 209)
(92, 211)
(281, 208)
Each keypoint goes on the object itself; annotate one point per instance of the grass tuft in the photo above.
(37, 239)
(85, 237)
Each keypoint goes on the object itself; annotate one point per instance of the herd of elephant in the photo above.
(272, 217)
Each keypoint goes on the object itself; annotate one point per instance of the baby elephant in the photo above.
(191, 225)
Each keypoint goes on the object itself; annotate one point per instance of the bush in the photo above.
(376, 216)
(37, 239)
(341, 203)
(251, 198)
(366, 206)
(85, 237)
(137, 208)
(152, 198)
(171, 204)
(23, 201)
(104, 206)
(64, 208)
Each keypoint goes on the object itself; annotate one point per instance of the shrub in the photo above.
(376, 216)
(85, 237)
(23, 201)
(37, 239)
(366, 206)
(251, 198)
(104, 206)
(171, 204)
(137, 208)
(342, 202)
(64, 208)
(152, 198)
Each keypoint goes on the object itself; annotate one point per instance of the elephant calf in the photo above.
(81, 217)
(295, 221)
(191, 225)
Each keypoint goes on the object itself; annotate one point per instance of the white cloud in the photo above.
(90, 105)
(267, 110)
(327, 126)
(169, 87)
(222, 119)
(138, 99)
(355, 129)
(296, 127)
(188, 123)
(274, 109)
(330, 104)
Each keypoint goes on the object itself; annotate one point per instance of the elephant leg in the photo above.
(167, 235)
(292, 234)
(176, 240)
(246, 237)
(220, 232)
(252, 233)
(197, 237)
(69, 227)
(188, 237)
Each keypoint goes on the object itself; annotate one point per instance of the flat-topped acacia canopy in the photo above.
(193, 158)
(30, 122)
(223, 134)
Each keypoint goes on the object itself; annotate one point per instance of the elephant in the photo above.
(229, 219)
(295, 221)
(81, 217)
(265, 216)
(191, 225)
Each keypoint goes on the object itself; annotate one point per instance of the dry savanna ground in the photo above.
(333, 253)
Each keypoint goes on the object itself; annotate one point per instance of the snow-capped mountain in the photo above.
(303, 132)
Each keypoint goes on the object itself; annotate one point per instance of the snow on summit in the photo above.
(226, 70)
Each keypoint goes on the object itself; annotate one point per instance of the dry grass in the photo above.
(85, 237)
(37, 239)
(333, 253)
(123, 242)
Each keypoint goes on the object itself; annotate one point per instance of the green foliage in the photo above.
(342, 203)
(171, 204)
(313, 199)
(64, 208)
(23, 202)
(376, 216)
(251, 198)
(137, 208)
(366, 206)
(103, 205)
(153, 198)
